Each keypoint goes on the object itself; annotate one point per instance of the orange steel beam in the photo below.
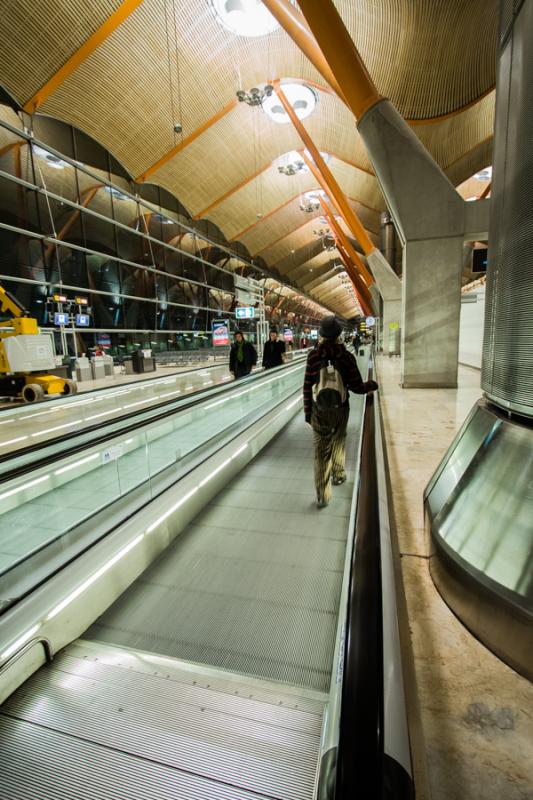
(486, 191)
(341, 236)
(187, 141)
(232, 191)
(12, 146)
(325, 177)
(341, 55)
(339, 201)
(263, 218)
(296, 26)
(362, 297)
(105, 30)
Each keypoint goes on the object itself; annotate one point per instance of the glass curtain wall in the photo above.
(125, 263)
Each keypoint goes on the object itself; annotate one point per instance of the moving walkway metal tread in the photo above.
(89, 726)
(250, 590)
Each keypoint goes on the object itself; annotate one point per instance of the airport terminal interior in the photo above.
(224, 224)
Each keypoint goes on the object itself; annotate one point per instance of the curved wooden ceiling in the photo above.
(171, 60)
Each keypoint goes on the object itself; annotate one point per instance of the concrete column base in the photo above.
(431, 312)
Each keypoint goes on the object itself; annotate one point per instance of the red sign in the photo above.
(220, 333)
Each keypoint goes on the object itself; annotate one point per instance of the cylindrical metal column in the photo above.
(507, 372)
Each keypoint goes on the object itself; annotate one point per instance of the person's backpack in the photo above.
(330, 391)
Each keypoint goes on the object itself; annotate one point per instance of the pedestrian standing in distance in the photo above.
(242, 356)
(330, 373)
(273, 351)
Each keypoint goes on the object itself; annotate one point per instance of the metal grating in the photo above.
(99, 718)
(507, 374)
(253, 585)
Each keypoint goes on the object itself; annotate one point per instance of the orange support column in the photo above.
(341, 55)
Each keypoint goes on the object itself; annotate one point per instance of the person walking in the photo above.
(242, 357)
(330, 373)
(273, 351)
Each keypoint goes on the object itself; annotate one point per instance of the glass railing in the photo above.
(49, 429)
(72, 501)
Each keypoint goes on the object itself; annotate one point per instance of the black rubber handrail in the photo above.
(360, 755)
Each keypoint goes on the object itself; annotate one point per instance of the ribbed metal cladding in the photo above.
(507, 372)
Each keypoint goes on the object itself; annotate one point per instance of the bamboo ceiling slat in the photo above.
(271, 189)
(312, 264)
(475, 160)
(294, 247)
(280, 222)
(37, 41)
(450, 139)
(430, 57)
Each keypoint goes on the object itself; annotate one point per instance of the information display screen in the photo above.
(245, 312)
(60, 318)
(83, 320)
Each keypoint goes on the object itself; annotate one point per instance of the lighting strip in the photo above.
(25, 486)
(58, 427)
(76, 464)
(94, 577)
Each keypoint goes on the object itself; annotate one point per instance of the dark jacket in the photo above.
(343, 361)
(272, 354)
(238, 368)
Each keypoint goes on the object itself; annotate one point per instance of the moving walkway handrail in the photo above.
(365, 750)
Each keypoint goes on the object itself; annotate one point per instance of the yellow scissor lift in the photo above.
(26, 356)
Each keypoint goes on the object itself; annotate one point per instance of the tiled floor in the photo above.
(477, 713)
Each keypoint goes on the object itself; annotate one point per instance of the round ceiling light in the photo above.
(301, 97)
(244, 17)
(484, 175)
(50, 158)
(314, 194)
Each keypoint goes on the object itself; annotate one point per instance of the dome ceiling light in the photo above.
(301, 97)
(50, 158)
(484, 174)
(292, 163)
(244, 17)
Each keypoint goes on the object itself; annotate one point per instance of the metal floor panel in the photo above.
(253, 585)
(93, 726)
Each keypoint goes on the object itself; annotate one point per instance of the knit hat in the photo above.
(330, 328)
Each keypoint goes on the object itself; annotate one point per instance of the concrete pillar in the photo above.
(432, 221)
(431, 312)
(390, 289)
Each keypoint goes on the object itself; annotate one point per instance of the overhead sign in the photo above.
(83, 320)
(220, 328)
(370, 321)
(245, 312)
(60, 319)
(82, 301)
(60, 298)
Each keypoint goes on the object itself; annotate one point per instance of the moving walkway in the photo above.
(254, 655)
